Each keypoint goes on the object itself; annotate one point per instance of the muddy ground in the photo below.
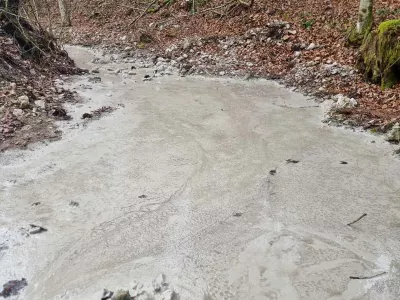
(232, 188)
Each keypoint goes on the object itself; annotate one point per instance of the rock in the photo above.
(101, 61)
(18, 112)
(161, 68)
(147, 78)
(13, 86)
(35, 229)
(23, 102)
(87, 116)
(57, 82)
(248, 76)
(144, 296)
(394, 134)
(169, 294)
(161, 59)
(94, 79)
(297, 53)
(171, 49)
(222, 73)
(121, 295)
(186, 44)
(131, 73)
(158, 282)
(41, 104)
(128, 49)
(293, 32)
(285, 38)
(169, 71)
(60, 112)
(249, 64)
(334, 71)
(311, 46)
(344, 102)
(107, 294)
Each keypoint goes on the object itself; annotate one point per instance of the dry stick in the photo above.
(214, 8)
(35, 10)
(247, 4)
(143, 13)
(134, 8)
(367, 277)
(364, 215)
(197, 13)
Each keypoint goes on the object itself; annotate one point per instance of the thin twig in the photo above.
(143, 13)
(363, 215)
(217, 7)
(197, 13)
(134, 8)
(368, 277)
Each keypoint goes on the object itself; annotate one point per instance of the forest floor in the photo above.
(31, 97)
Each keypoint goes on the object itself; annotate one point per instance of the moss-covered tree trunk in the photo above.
(380, 54)
(364, 23)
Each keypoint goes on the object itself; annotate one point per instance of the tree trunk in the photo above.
(64, 12)
(364, 22)
(357, 33)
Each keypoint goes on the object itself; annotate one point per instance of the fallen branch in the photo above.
(368, 277)
(364, 215)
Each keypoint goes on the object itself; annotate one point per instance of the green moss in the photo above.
(381, 54)
(389, 25)
(353, 37)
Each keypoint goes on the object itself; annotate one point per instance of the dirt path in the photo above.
(179, 180)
